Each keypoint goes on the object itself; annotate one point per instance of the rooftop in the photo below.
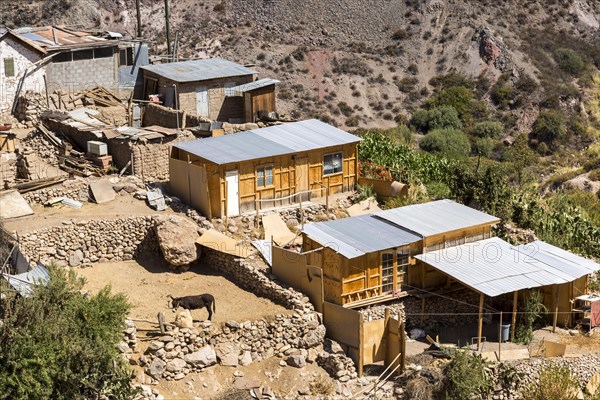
(356, 236)
(436, 217)
(494, 267)
(199, 70)
(277, 140)
(261, 83)
(59, 37)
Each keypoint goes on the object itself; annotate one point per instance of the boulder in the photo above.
(204, 357)
(183, 319)
(177, 239)
(227, 353)
(156, 368)
(297, 361)
(176, 365)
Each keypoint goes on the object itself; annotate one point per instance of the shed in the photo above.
(264, 168)
(370, 258)
(212, 88)
(259, 98)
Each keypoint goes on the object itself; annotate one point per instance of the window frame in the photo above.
(387, 271)
(5, 62)
(341, 166)
(265, 176)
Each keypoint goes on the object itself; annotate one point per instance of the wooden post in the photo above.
(556, 302)
(161, 322)
(361, 342)
(301, 214)
(500, 336)
(402, 348)
(480, 322)
(257, 204)
(514, 316)
(226, 204)
(422, 310)
(327, 196)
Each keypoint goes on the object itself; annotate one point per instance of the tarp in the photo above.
(13, 205)
(23, 283)
(213, 239)
(264, 248)
(277, 229)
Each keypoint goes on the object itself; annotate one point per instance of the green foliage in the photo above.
(594, 175)
(550, 127)
(533, 310)
(450, 80)
(466, 376)
(569, 61)
(452, 143)
(502, 94)
(443, 117)
(363, 192)
(484, 146)
(458, 97)
(554, 382)
(58, 344)
(488, 129)
(594, 283)
(521, 156)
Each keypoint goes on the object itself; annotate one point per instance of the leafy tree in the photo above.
(569, 61)
(458, 97)
(449, 142)
(550, 127)
(466, 376)
(443, 117)
(488, 129)
(502, 94)
(483, 146)
(58, 344)
(533, 310)
(521, 156)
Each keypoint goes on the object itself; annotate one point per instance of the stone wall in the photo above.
(76, 189)
(83, 242)
(82, 74)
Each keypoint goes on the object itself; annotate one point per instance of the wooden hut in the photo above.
(370, 259)
(265, 168)
(258, 97)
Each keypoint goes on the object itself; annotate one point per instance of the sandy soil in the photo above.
(148, 281)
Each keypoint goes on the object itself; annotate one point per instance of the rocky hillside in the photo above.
(359, 63)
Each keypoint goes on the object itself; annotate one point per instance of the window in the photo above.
(402, 260)
(83, 55)
(9, 67)
(264, 176)
(332, 163)
(387, 272)
(67, 56)
(103, 52)
(228, 88)
(126, 56)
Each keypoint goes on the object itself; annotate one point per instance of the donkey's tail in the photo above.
(214, 306)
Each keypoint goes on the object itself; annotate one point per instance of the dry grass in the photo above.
(322, 385)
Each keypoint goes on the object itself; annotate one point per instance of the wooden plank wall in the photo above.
(345, 327)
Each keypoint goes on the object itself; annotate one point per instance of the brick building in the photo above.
(216, 89)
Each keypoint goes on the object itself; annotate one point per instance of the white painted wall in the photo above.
(24, 57)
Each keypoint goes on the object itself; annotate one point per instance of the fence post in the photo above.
(301, 214)
(402, 347)
(257, 205)
(327, 196)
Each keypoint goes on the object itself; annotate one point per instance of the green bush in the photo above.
(488, 129)
(554, 382)
(502, 94)
(458, 97)
(483, 146)
(449, 142)
(569, 61)
(594, 175)
(550, 128)
(443, 117)
(466, 377)
(58, 344)
(534, 309)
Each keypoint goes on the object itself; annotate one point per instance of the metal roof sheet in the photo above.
(573, 265)
(199, 70)
(274, 140)
(22, 283)
(356, 236)
(436, 217)
(247, 87)
(493, 267)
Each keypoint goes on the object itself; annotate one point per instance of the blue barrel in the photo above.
(505, 332)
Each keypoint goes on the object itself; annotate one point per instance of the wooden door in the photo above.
(202, 101)
(302, 178)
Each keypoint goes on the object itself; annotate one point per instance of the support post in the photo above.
(139, 18)
(480, 322)
(556, 302)
(422, 310)
(500, 337)
(514, 316)
(168, 28)
(301, 214)
(161, 322)
(327, 196)
(257, 205)
(402, 347)
(226, 205)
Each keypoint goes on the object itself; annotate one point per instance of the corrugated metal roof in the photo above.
(356, 236)
(573, 265)
(22, 283)
(494, 267)
(199, 70)
(275, 140)
(247, 87)
(435, 217)
(60, 37)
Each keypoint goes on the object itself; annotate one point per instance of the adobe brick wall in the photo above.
(82, 74)
(155, 114)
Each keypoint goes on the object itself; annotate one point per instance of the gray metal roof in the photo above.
(555, 257)
(435, 217)
(23, 283)
(356, 236)
(247, 87)
(494, 267)
(199, 70)
(289, 138)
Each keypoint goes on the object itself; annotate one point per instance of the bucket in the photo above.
(505, 332)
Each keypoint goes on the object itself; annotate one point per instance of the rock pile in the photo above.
(76, 189)
(182, 351)
(334, 361)
(35, 142)
(83, 242)
(372, 313)
(128, 344)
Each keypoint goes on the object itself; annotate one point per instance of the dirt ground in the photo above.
(148, 281)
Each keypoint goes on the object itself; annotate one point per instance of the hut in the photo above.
(263, 168)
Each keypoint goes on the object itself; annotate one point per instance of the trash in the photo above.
(13, 205)
(101, 191)
(156, 200)
(71, 203)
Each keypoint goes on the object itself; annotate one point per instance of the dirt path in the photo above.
(123, 206)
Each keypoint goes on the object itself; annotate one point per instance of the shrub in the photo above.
(219, 7)
(443, 117)
(533, 310)
(554, 382)
(569, 61)
(58, 344)
(594, 175)
(352, 121)
(488, 129)
(363, 192)
(484, 146)
(466, 376)
(400, 34)
(407, 84)
(458, 97)
(550, 127)
(502, 94)
(450, 142)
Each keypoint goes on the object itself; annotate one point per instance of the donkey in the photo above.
(195, 302)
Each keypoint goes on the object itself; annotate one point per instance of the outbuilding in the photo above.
(263, 168)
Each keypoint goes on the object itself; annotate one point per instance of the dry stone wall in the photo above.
(76, 189)
(83, 242)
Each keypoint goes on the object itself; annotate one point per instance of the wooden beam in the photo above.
(402, 347)
(514, 316)
(556, 302)
(480, 322)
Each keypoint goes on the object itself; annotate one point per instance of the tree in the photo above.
(569, 61)
(483, 146)
(488, 129)
(550, 127)
(458, 97)
(521, 156)
(443, 117)
(450, 142)
(58, 344)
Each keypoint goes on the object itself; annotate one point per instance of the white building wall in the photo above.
(24, 58)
